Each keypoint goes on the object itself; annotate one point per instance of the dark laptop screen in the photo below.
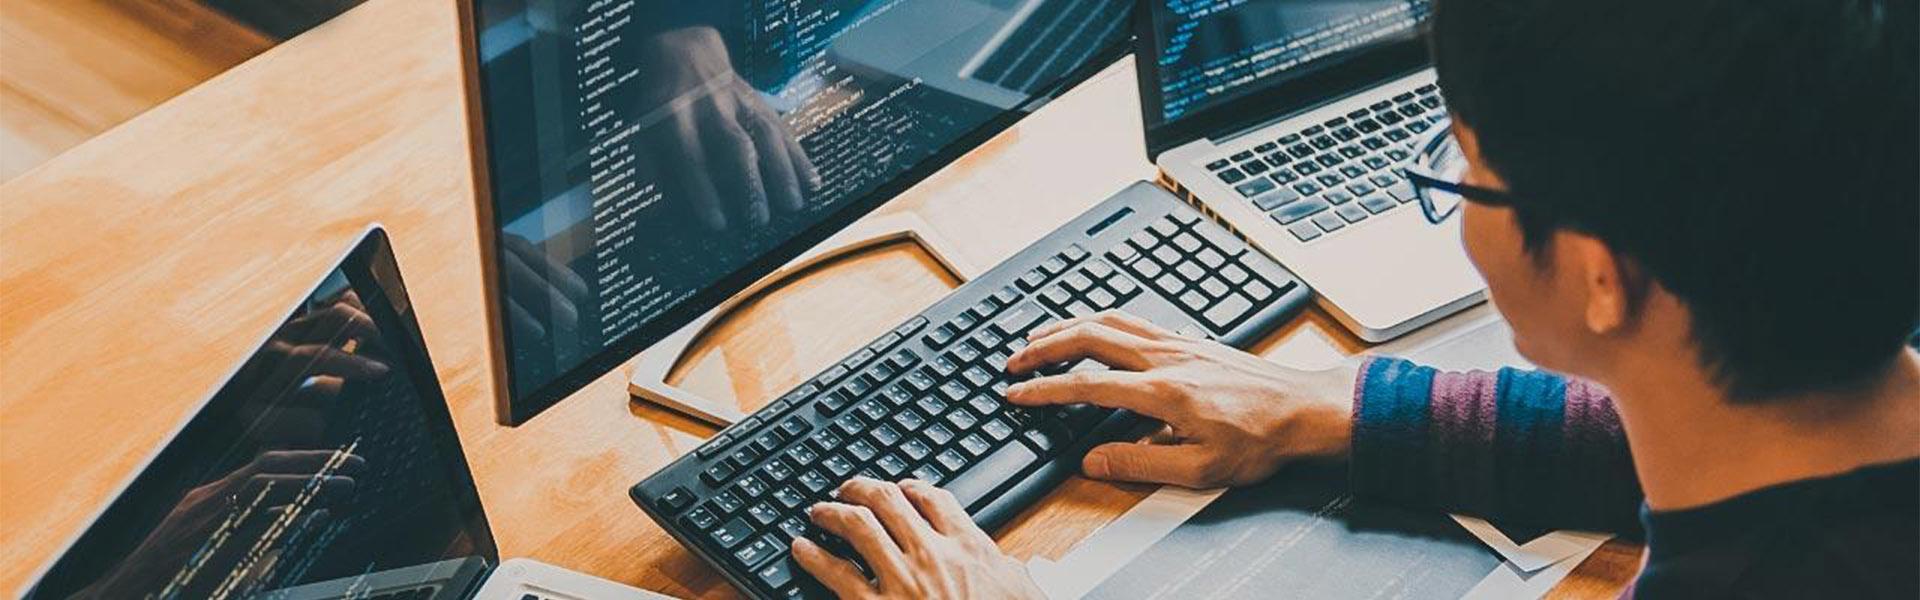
(1211, 52)
(327, 458)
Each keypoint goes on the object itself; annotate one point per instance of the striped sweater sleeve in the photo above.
(1514, 446)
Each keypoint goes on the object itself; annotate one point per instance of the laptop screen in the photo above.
(324, 467)
(1208, 53)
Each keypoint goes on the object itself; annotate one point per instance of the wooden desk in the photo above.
(137, 268)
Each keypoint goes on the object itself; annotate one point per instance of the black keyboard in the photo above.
(926, 399)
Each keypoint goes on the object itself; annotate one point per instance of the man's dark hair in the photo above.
(1759, 159)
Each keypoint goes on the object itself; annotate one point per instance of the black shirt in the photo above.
(1853, 535)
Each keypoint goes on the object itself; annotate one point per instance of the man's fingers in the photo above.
(533, 289)
(766, 129)
(737, 163)
(553, 269)
(1183, 464)
(328, 360)
(1111, 389)
(902, 521)
(862, 529)
(838, 574)
(1123, 321)
(692, 171)
(524, 319)
(943, 511)
(1084, 340)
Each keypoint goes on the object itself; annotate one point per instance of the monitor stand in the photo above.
(650, 368)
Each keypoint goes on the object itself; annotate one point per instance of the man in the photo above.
(1708, 207)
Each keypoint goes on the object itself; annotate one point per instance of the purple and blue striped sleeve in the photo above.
(1511, 446)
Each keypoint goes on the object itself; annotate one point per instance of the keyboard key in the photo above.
(1304, 231)
(1338, 197)
(862, 450)
(1191, 271)
(726, 503)
(838, 465)
(1242, 156)
(776, 574)
(1101, 300)
(1277, 159)
(1234, 274)
(800, 454)
(718, 474)
(1193, 300)
(909, 420)
(1403, 192)
(886, 436)
(1352, 213)
(777, 471)
(915, 449)
(1231, 176)
(1254, 168)
(1169, 284)
(892, 465)
(763, 514)
(989, 473)
(951, 460)
(1328, 223)
(700, 518)
(1146, 269)
(755, 552)
(1230, 309)
(1214, 287)
(1046, 439)
(1275, 199)
(676, 499)
(1018, 320)
(793, 527)
(962, 420)
(1123, 287)
(1254, 187)
(1167, 255)
(939, 434)
(750, 487)
(1218, 165)
(815, 482)
(975, 445)
(789, 497)
(732, 533)
(1287, 215)
(1257, 290)
(998, 429)
(1377, 204)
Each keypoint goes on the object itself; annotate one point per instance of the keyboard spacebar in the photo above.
(991, 473)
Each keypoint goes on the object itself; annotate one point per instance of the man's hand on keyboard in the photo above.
(918, 542)
(1233, 418)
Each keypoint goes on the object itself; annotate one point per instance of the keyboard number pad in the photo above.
(1197, 269)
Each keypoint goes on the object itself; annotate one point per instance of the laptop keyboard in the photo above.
(1324, 178)
(1057, 36)
(927, 399)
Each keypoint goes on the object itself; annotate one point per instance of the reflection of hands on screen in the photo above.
(540, 286)
(721, 151)
(216, 525)
(311, 359)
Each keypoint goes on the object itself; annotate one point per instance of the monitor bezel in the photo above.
(512, 411)
(1371, 66)
(370, 264)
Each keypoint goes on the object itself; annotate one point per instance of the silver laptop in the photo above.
(1288, 120)
(325, 468)
(1001, 53)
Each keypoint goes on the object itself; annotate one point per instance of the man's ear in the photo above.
(1603, 278)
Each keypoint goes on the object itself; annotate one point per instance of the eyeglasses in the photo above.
(1436, 173)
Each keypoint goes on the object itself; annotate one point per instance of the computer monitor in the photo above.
(639, 162)
(326, 466)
